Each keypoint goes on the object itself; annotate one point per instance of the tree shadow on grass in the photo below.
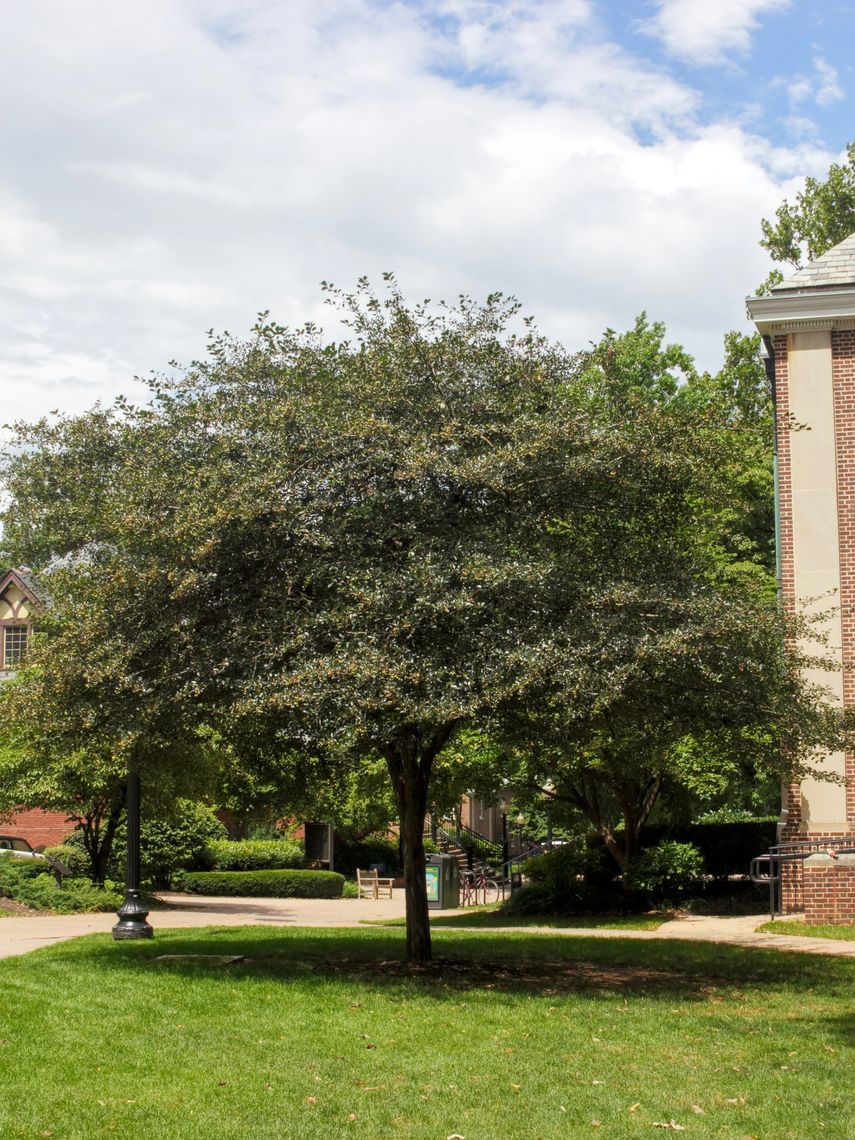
(539, 965)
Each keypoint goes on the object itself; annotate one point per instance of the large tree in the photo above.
(360, 548)
(695, 682)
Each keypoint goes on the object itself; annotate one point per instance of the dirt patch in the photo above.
(544, 976)
(9, 907)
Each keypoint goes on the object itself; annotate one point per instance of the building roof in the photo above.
(23, 578)
(834, 270)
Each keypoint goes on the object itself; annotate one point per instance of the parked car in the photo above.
(18, 848)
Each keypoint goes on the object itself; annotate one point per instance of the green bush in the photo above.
(727, 846)
(556, 882)
(177, 842)
(73, 856)
(373, 849)
(265, 884)
(170, 842)
(32, 883)
(255, 854)
(667, 870)
(80, 858)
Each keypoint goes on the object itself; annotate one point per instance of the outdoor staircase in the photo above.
(466, 845)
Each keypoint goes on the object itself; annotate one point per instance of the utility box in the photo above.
(443, 882)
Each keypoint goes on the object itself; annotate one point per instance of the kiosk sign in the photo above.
(432, 878)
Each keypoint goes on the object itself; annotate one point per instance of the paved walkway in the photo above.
(20, 934)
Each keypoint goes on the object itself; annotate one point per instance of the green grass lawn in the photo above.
(325, 1034)
(485, 917)
(791, 926)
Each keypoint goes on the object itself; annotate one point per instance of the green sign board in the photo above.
(432, 876)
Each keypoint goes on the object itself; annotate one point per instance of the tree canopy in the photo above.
(357, 549)
(821, 216)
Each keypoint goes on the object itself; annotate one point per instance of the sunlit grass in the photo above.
(487, 917)
(796, 926)
(325, 1034)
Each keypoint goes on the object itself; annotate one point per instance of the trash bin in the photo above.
(443, 882)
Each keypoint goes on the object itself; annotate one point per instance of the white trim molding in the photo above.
(802, 310)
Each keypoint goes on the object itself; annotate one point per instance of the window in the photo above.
(14, 645)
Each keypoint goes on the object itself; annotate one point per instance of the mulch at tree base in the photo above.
(13, 907)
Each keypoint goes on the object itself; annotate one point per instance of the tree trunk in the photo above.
(98, 837)
(410, 760)
(410, 784)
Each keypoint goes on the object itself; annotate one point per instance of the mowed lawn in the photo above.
(325, 1033)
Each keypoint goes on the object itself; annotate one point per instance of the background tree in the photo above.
(75, 715)
(692, 688)
(822, 215)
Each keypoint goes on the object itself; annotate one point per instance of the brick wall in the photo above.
(39, 828)
(829, 890)
(821, 886)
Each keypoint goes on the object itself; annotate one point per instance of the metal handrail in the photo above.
(459, 831)
(767, 868)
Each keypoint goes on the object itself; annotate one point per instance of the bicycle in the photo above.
(477, 888)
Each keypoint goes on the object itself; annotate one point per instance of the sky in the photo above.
(180, 165)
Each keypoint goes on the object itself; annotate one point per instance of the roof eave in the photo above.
(802, 310)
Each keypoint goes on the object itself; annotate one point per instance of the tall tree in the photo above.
(822, 215)
(696, 662)
(365, 546)
(77, 713)
(360, 548)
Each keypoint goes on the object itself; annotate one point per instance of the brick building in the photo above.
(20, 602)
(808, 327)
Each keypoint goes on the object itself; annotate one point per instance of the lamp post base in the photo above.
(132, 918)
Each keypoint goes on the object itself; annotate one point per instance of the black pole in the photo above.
(132, 913)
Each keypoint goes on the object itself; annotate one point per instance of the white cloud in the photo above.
(822, 88)
(707, 31)
(828, 88)
(181, 165)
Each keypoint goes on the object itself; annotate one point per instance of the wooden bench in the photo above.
(371, 886)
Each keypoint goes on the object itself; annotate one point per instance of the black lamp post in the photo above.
(519, 823)
(132, 913)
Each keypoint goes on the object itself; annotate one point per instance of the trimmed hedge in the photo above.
(265, 884)
(256, 854)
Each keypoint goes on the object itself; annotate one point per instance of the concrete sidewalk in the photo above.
(20, 934)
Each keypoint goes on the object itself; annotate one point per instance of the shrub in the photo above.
(373, 849)
(72, 855)
(33, 884)
(667, 869)
(80, 858)
(173, 841)
(727, 846)
(178, 841)
(255, 854)
(557, 882)
(265, 884)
